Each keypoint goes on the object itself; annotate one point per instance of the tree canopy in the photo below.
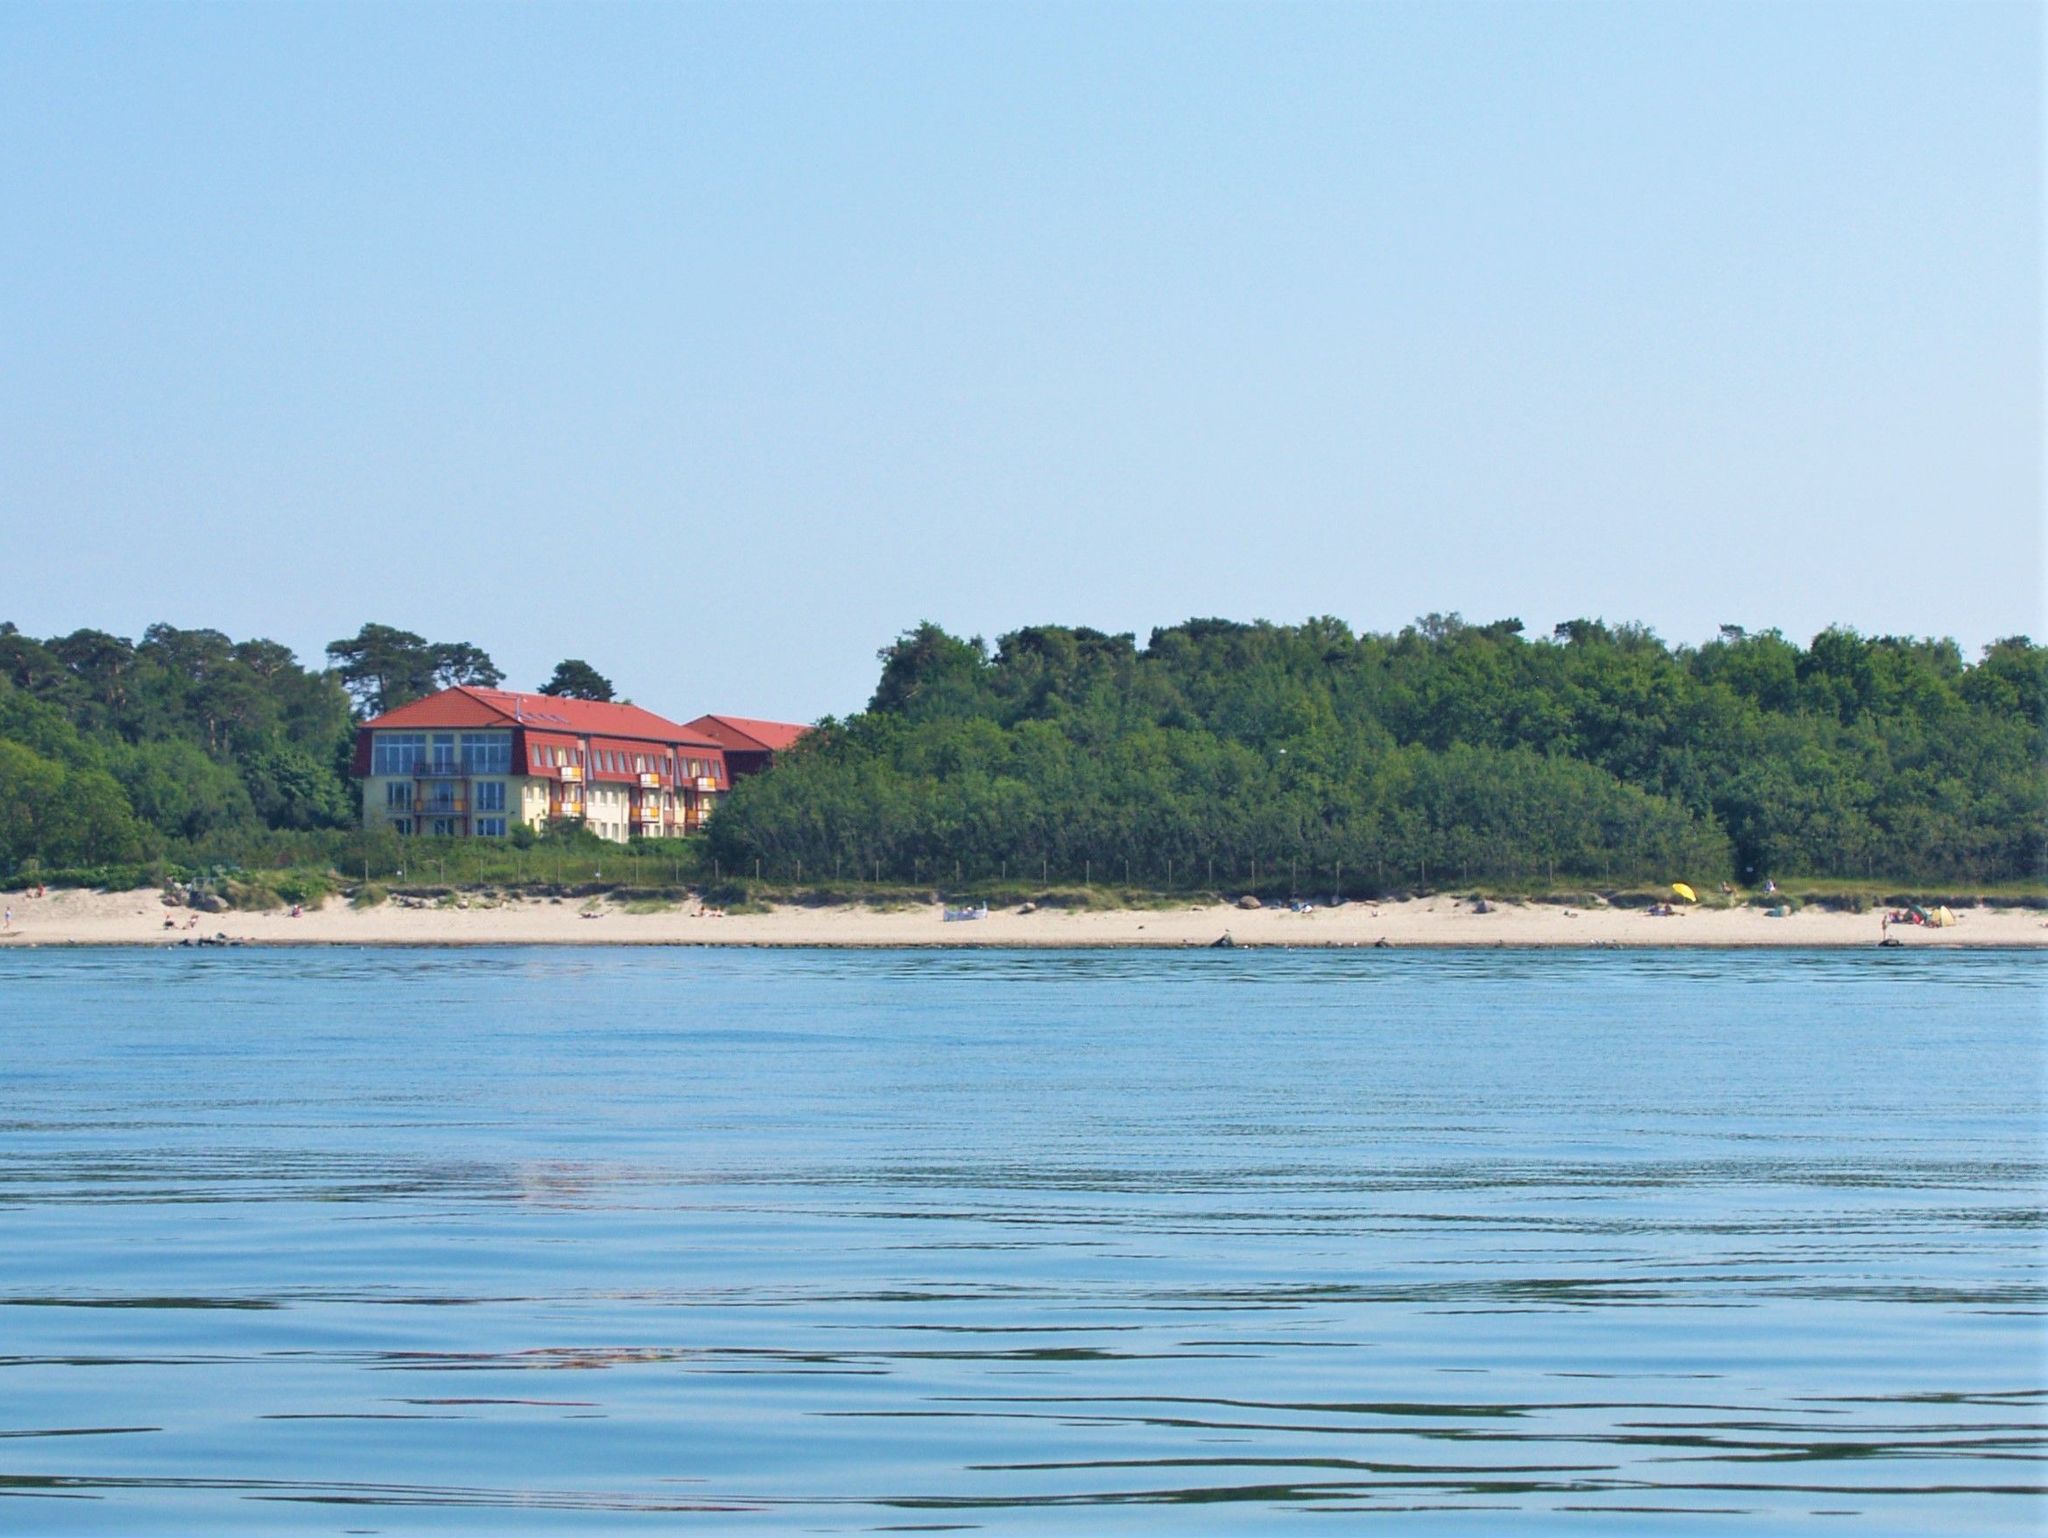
(111, 748)
(1449, 750)
(1217, 750)
(382, 667)
(575, 679)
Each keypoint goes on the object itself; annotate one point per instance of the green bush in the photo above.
(249, 896)
(306, 887)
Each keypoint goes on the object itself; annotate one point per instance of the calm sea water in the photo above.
(750, 1242)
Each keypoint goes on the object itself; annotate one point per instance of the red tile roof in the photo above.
(466, 706)
(746, 735)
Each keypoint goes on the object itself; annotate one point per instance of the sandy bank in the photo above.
(137, 918)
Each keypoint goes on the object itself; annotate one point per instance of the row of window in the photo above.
(441, 753)
(449, 827)
(491, 753)
(612, 761)
(490, 797)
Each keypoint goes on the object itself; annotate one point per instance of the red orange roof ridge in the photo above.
(772, 736)
(472, 705)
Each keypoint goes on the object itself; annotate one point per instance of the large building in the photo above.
(750, 746)
(475, 763)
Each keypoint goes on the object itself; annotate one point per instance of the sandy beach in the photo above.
(138, 918)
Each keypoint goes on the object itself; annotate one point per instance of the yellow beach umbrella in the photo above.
(1685, 891)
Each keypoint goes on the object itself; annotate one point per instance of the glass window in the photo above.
(398, 795)
(396, 752)
(490, 827)
(490, 796)
(487, 752)
(401, 825)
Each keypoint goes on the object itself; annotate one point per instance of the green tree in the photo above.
(577, 680)
(382, 667)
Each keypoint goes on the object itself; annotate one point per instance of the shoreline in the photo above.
(137, 918)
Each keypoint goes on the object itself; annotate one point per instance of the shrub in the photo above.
(249, 896)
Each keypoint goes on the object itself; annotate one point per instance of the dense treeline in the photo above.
(113, 750)
(186, 743)
(1226, 753)
(1218, 754)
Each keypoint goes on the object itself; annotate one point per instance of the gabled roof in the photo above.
(746, 735)
(467, 706)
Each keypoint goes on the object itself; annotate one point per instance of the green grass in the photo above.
(657, 877)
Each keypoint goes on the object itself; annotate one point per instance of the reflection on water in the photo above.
(562, 1241)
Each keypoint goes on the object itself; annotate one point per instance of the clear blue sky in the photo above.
(717, 344)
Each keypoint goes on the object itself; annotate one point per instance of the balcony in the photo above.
(650, 782)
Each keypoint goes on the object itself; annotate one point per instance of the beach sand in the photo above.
(137, 918)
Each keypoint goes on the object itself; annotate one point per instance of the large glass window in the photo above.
(490, 827)
(490, 796)
(398, 796)
(487, 752)
(396, 752)
(443, 756)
